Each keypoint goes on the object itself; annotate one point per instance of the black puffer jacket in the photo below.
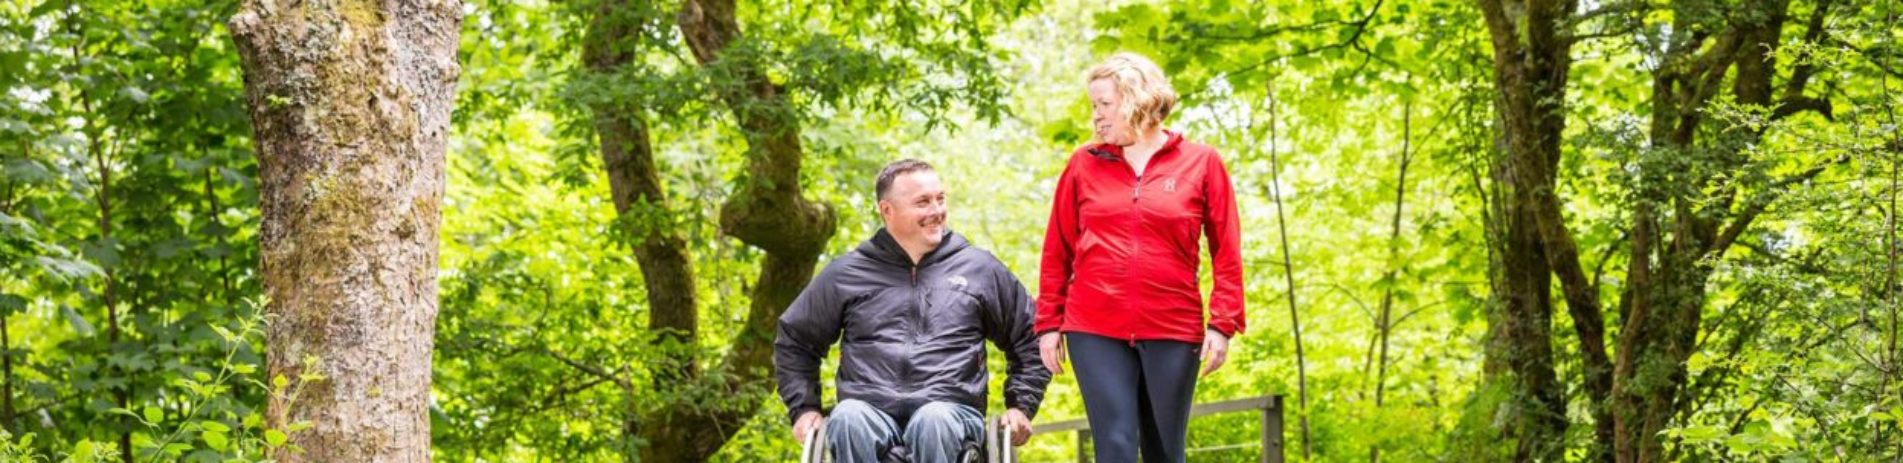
(911, 334)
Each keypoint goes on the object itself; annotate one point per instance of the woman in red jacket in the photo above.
(1119, 290)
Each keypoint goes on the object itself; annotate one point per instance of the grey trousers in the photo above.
(1136, 395)
(936, 433)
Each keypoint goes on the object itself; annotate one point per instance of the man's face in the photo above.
(914, 209)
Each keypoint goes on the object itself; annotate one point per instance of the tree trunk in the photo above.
(6, 375)
(102, 198)
(350, 104)
(1288, 274)
(1384, 321)
(6, 340)
(767, 210)
(640, 200)
(1670, 266)
(1531, 62)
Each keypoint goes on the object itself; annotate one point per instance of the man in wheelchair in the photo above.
(911, 308)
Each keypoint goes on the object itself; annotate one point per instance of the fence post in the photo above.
(1083, 446)
(1272, 430)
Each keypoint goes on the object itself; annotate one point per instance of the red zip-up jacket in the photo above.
(1121, 251)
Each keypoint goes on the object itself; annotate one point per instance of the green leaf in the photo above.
(218, 441)
(215, 426)
(67, 268)
(274, 438)
(10, 304)
(79, 323)
(135, 94)
(1702, 433)
(84, 450)
(105, 252)
(154, 414)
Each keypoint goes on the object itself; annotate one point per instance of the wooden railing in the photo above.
(1269, 406)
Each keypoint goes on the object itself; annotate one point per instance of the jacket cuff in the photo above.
(1029, 409)
(1227, 329)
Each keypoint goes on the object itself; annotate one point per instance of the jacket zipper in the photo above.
(1136, 210)
(918, 306)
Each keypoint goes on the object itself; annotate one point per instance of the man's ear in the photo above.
(883, 208)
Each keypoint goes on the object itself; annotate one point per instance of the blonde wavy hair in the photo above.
(1147, 96)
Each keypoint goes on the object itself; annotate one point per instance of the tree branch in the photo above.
(1622, 8)
(1198, 32)
(591, 369)
(1813, 34)
(1599, 269)
(1758, 203)
(1632, 6)
(1793, 105)
(1582, 298)
(1876, 55)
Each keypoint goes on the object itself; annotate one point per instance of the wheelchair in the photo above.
(994, 446)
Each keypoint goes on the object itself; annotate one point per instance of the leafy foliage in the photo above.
(128, 216)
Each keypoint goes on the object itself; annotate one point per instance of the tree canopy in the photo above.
(1504, 230)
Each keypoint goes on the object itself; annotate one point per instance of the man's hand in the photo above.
(1215, 351)
(807, 423)
(1050, 349)
(1019, 425)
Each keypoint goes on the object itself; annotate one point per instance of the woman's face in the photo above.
(1105, 120)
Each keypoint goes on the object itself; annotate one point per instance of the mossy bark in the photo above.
(1680, 231)
(1531, 62)
(350, 105)
(768, 210)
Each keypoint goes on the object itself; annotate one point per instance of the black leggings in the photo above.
(1135, 391)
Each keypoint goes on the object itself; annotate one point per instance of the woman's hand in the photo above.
(1215, 351)
(1050, 349)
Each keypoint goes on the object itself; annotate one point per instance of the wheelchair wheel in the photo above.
(815, 449)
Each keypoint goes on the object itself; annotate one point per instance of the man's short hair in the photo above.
(893, 170)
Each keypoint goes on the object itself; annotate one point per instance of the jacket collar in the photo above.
(884, 248)
(1109, 152)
